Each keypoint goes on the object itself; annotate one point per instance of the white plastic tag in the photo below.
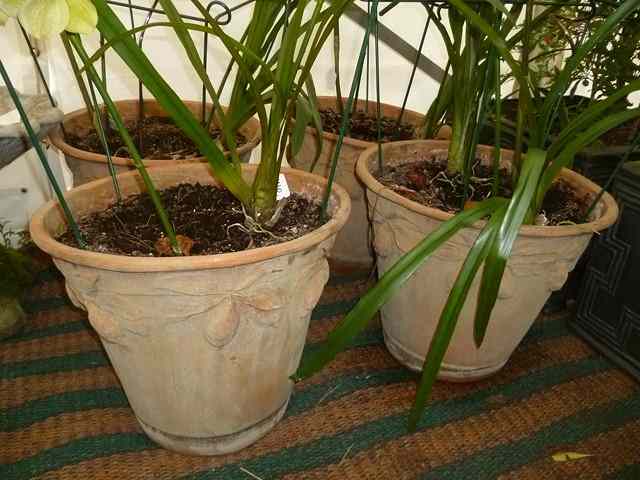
(10, 118)
(283, 188)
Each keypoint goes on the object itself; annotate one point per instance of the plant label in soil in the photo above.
(283, 188)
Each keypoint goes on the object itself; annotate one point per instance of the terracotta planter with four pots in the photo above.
(88, 166)
(542, 257)
(203, 345)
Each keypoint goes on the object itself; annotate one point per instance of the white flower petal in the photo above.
(43, 18)
(10, 8)
(83, 16)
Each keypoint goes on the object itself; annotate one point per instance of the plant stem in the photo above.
(348, 109)
(93, 109)
(378, 108)
(42, 156)
(498, 128)
(76, 73)
(634, 145)
(336, 62)
(524, 97)
(133, 152)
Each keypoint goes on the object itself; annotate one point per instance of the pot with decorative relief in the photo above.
(541, 259)
(203, 345)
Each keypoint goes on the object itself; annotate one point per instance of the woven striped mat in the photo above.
(64, 416)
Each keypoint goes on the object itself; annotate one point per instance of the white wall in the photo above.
(167, 54)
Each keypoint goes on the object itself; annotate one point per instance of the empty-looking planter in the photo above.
(353, 243)
(88, 166)
(203, 345)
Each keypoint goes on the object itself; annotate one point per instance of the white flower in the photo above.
(10, 8)
(43, 18)
(83, 17)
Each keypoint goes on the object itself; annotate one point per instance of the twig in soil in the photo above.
(327, 393)
(251, 474)
(346, 453)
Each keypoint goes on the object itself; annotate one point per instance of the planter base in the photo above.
(209, 446)
(450, 373)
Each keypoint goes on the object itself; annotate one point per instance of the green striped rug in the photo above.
(64, 416)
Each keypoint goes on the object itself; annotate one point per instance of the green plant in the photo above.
(273, 59)
(610, 65)
(15, 267)
(533, 172)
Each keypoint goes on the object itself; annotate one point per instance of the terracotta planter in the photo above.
(89, 166)
(12, 317)
(203, 345)
(353, 242)
(541, 259)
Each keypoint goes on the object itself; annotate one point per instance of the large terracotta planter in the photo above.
(89, 166)
(353, 242)
(542, 257)
(204, 345)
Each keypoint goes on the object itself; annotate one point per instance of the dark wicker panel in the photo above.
(609, 304)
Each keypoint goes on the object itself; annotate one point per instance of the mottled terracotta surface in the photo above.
(353, 244)
(203, 346)
(541, 259)
(89, 166)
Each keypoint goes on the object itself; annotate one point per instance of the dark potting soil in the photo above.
(161, 139)
(207, 220)
(364, 126)
(428, 183)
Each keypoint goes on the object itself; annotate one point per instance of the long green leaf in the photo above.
(561, 84)
(501, 246)
(316, 119)
(498, 41)
(451, 312)
(566, 155)
(128, 141)
(303, 115)
(111, 27)
(182, 32)
(588, 116)
(357, 319)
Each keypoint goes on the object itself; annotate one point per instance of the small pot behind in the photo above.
(541, 259)
(353, 243)
(203, 345)
(88, 166)
(12, 317)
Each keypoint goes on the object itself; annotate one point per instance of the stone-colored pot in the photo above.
(353, 242)
(12, 317)
(89, 166)
(203, 345)
(542, 257)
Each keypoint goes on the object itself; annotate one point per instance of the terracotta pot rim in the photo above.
(354, 142)
(45, 241)
(57, 139)
(608, 217)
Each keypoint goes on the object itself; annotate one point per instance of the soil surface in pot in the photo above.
(428, 183)
(364, 126)
(208, 221)
(161, 140)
